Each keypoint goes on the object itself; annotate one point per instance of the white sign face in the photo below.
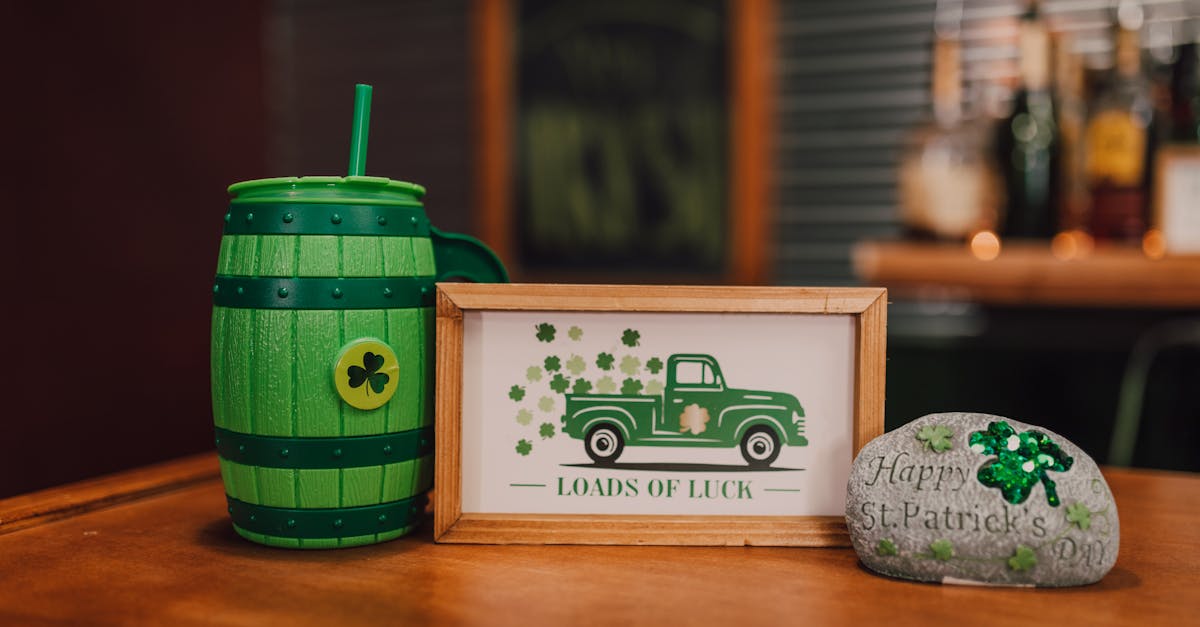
(656, 413)
(1179, 201)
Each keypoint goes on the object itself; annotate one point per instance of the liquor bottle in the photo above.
(1027, 141)
(948, 187)
(1121, 137)
(1185, 95)
(1070, 98)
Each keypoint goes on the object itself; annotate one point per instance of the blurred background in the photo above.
(1023, 177)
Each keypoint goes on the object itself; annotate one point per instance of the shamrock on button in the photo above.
(366, 373)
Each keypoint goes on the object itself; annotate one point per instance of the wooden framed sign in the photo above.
(592, 414)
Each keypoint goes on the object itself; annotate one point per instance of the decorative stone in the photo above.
(974, 498)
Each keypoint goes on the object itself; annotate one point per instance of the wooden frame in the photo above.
(1173, 242)
(867, 307)
(751, 127)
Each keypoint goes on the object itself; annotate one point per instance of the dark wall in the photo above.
(124, 123)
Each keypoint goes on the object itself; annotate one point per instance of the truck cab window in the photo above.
(691, 373)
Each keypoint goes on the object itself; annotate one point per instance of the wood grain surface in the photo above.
(171, 558)
(1030, 274)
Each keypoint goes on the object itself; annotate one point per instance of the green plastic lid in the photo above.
(322, 189)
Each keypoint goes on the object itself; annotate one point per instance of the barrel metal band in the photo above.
(326, 219)
(322, 292)
(316, 453)
(326, 523)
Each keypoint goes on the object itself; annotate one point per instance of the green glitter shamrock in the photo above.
(575, 333)
(545, 332)
(606, 385)
(1021, 461)
(524, 417)
(654, 365)
(582, 386)
(533, 373)
(886, 547)
(1080, 515)
(654, 387)
(552, 364)
(560, 383)
(631, 387)
(524, 447)
(630, 338)
(942, 549)
(546, 404)
(604, 361)
(546, 430)
(576, 365)
(936, 438)
(516, 393)
(1023, 558)
(630, 365)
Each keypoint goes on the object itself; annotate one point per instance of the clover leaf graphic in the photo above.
(942, 550)
(604, 361)
(1079, 515)
(631, 387)
(581, 386)
(1021, 461)
(560, 383)
(516, 393)
(886, 548)
(654, 365)
(552, 364)
(524, 447)
(630, 338)
(575, 333)
(1023, 558)
(576, 365)
(546, 430)
(524, 417)
(630, 365)
(606, 385)
(545, 332)
(369, 373)
(936, 438)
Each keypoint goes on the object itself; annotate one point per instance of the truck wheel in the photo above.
(604, 445)
(760, 446)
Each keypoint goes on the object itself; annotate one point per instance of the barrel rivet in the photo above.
(249, 217)
(291, 522)
(228, 217)
(387, 292)
(253, 517)
(336, 218)
(383, 518)
(337, 292)
(283, 292)
(241, 290)
(283, 452)
(382, 220)
(424, 290)
(218, 441)
(387, 450)
(424, 442)
(216, 289)
(288, 217)
(230, 509)
(337, 452)
(337, 523)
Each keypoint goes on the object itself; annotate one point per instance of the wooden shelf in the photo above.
(1028, 274)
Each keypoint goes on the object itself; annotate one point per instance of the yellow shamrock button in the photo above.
(366, 373)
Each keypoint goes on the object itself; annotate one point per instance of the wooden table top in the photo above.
(154, 546)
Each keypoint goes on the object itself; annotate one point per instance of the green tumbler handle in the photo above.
(459, 256)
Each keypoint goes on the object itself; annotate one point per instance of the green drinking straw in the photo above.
(358, 134)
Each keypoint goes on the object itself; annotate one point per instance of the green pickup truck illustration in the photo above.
(695, 410)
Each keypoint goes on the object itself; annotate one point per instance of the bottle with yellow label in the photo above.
(1120, 139)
